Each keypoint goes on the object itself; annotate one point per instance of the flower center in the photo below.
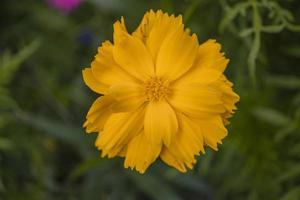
(156, 89)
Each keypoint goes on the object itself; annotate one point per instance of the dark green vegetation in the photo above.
(44, 153)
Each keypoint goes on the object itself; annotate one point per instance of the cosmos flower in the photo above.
(164, 95)
(64, 6)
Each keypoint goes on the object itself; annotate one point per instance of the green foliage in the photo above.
(45, 154)
(9, 64)
(279, 18)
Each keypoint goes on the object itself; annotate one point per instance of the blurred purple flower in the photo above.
(65, 6)
(86, 37)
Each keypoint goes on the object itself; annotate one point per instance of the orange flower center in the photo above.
(156, 89)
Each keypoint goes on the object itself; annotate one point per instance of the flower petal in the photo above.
(160, 122)
(143, 30)
(119, 28)
(209, 56)
(92, 82)
(161, 29)
(131, 54)
(197, 100)
(119, 129)
(229, 97)
(171, 160)
(128, 97)
(208, 66)
(213, 131)
(188, 143)
(141, 153)
(98, 114)
(199, 76)
(106, 70)
(155, 27)
(176, 55)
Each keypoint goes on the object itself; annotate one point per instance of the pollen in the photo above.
(156, 89)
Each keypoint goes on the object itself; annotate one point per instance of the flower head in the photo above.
(65, 6)
(164, 95)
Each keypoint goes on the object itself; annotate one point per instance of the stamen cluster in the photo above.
(156, 89)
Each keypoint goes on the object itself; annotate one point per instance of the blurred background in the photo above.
(44, 152)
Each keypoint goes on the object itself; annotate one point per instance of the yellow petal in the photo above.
(160, 122)
(106, 70)
(98, 114)
(200, 76)
(187, 144)
(171, 160)
(119, 28)
(197, 100)
(229, 97)
(155, 27)
(119, 129)
(93, 83)
(213, 131)
(131, 54)
(128, 97)
(208, 66)
(163, 27)
(144, 28)
(141, 153)
(122, 152)
(209, 56)
(176, 55)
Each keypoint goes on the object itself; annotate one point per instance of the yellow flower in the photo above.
(164, 95)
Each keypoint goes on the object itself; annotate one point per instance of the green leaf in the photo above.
(87, 165)
(273, 28)
(153, 186)
(284, 81)
(67, 133)
(246, 32)
(271, 116)
(232, 13)
(293, 27)
(267, 29)
(9, 64)
(257, 24)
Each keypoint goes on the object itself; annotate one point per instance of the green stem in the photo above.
(257, 24)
